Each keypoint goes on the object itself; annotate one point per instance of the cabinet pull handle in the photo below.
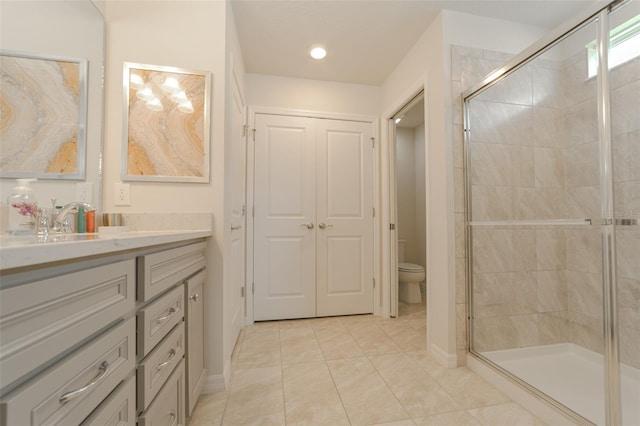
(174, 418)
(102, 373)
(236, 227)
(194, 297)
(172, 355)
(171, 312)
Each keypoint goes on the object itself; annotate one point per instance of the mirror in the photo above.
(61, 29)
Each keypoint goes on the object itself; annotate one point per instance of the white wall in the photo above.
(312, 95)
(428, 65)
(184, 34)
(406, 192)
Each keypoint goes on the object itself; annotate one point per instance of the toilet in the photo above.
(410, 276)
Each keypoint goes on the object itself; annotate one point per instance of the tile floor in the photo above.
(353, 370)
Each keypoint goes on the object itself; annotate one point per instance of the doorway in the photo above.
(313, 217)
(408, 180)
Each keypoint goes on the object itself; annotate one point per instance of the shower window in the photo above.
(624, 45)
(552, 227)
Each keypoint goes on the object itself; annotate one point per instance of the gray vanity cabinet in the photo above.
(170, 328)
(111, 339)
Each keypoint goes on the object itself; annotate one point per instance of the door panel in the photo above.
(345, 207)
(285, 259)
(236, 301)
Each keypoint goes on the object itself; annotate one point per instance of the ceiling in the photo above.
(365, 39)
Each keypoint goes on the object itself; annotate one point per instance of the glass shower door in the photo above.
(625, 133)
(534, 212)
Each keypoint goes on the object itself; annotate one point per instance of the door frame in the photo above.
(389, 246)
(374, 121)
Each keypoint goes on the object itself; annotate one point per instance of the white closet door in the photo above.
(345, 218)
(285, 203)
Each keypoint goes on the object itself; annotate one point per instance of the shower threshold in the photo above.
(573, 376)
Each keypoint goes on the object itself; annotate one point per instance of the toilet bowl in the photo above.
(409, 277)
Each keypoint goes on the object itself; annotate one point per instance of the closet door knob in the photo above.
(324, 226)
(308, 225)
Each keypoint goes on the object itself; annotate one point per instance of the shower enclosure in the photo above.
(552, 151)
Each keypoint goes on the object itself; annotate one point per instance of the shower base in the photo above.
(572, 375)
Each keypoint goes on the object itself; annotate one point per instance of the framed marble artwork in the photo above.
(43, 116)
(166, 124)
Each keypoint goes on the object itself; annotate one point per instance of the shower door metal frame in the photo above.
(598, 13)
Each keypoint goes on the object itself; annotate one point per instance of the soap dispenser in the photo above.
(23, 209)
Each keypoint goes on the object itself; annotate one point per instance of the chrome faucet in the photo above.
(62, 222)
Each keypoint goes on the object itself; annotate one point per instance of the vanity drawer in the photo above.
(159, 271)
(42, 319)
(70, 390)
(118, 409)
(156, 368)
(168, 407)
(157, 319)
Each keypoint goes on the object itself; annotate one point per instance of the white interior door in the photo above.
(345, 218)
(238, 219)
(313, 220)
(284, 222)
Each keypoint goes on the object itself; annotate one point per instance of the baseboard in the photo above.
(444, 358)
(214, 383)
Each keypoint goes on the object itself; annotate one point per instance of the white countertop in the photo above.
(16, 252)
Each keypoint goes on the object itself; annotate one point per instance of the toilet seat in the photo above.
(410, 267)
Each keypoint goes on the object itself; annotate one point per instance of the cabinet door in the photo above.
(194, 295)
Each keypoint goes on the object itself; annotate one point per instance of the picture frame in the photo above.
(166, 132)
(43, 102)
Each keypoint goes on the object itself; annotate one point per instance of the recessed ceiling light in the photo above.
(318, 53)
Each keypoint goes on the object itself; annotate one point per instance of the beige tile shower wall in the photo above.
(520, 281)
(559, 151)
(625, 119)
(582, 192)
(468, 66)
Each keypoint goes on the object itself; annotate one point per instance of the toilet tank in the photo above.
(401, 248)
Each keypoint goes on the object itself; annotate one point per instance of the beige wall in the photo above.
(410, 181)
(312, 95)
(184, 34)
(406, 190)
